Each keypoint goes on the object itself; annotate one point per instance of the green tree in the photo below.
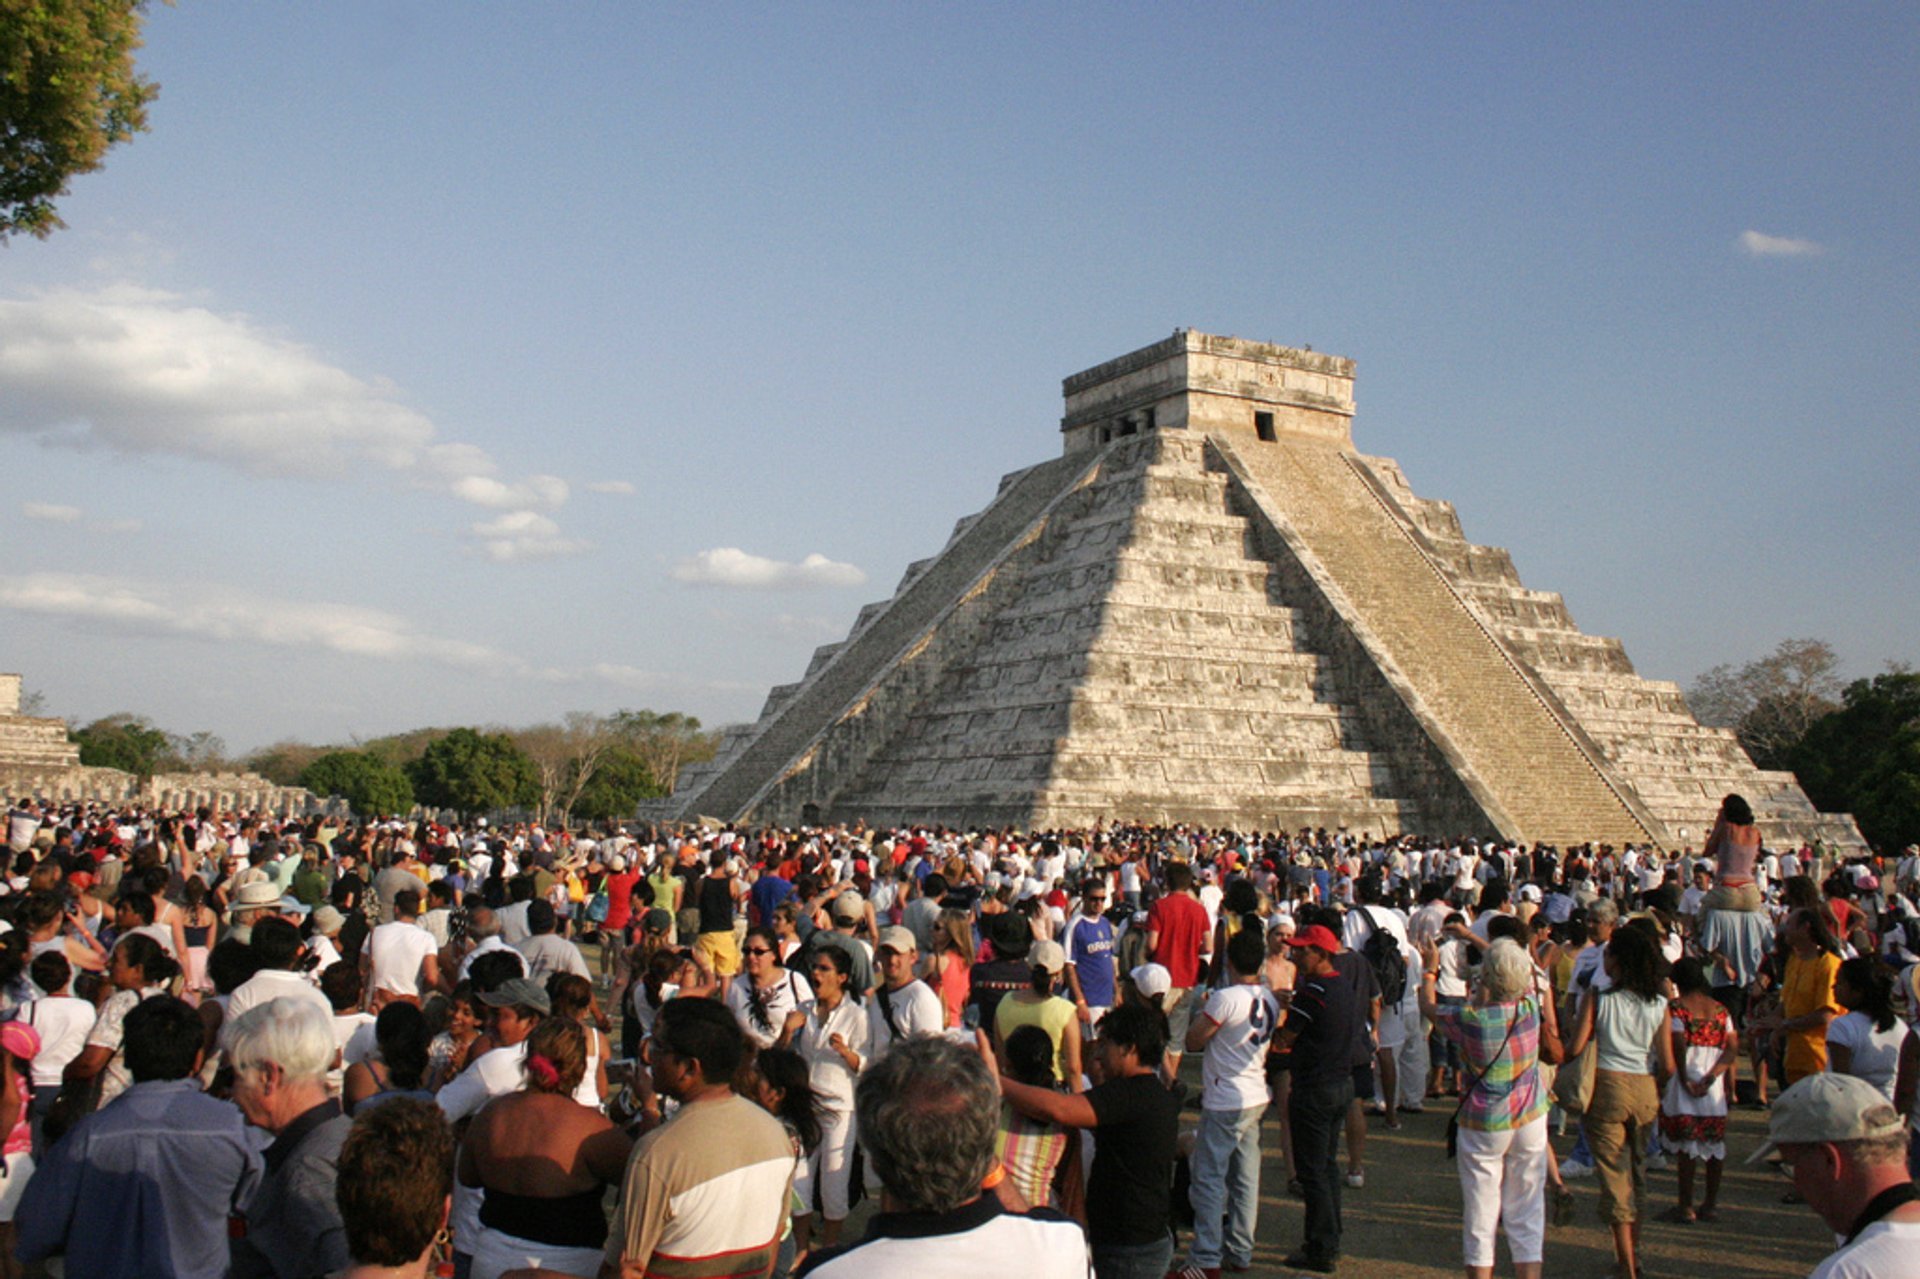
(616, 787)
(472, 772)
(1865, 758)
(126, 742)
(1772, 702)
(68, 92)
(371, 786)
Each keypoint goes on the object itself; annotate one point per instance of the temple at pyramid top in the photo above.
(1212, 608)
(1217, 385)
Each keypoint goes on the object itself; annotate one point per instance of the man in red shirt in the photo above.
(1179, 938)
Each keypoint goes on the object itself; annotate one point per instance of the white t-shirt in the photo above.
(347, 1029)
(64, 1023)
(1358, 927)
(916, 1011)
(1876, 1053)
(275, 983)
(549, 953)
(513, 923)
(398, 951)
(1884, 1250)
(827, 1070)
(1233, 1076)
(488, 945)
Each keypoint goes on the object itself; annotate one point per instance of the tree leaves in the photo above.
(68, 92)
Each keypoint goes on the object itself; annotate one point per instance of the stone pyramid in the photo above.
(1210, 608)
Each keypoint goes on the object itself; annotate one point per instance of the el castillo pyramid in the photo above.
(1210, 608)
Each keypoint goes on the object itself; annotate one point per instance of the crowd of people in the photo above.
(303, 1047)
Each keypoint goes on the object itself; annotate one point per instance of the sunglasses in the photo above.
(758, 950)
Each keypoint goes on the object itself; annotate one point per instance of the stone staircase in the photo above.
(798, 715)
(1142, 666)
(1536, 780)
(1678, 767)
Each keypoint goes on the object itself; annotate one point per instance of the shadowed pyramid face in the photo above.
(1211, 609)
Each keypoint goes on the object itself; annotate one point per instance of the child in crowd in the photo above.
(1693, 1113)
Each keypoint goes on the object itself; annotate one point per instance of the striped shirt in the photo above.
(1508, 1094)
(705, 1195)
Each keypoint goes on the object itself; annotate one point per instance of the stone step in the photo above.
(1512, 739)
(812, 709)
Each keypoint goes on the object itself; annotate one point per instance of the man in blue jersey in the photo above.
(1090, 968)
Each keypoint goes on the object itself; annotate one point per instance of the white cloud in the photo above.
(216, 613)
(619, 488)
(524, 535)
(219, 613)
(50, 512)
(732, 567)
(1761, 245)
(536, 490)
(142, 372)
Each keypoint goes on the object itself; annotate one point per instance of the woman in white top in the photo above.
(1869, 1041)
(761, 997)
(139, 968)
(832, 1039)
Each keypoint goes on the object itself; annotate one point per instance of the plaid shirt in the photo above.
(1508, 1095)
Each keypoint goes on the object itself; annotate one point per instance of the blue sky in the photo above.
(453, 364)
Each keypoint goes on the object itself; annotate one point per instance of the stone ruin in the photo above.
(37, 759)
(1211, 608)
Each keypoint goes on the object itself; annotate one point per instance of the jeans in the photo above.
(1226, 1184)
(1318, 1112)
(1133, 1260)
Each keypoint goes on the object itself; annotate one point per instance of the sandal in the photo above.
(1679, 1216)
(1706, 1214)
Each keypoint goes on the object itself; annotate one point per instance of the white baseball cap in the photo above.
(1828, 1107)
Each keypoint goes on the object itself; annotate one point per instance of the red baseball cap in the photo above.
(1320, 937)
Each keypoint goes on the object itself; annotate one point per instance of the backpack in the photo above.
(1389, 965)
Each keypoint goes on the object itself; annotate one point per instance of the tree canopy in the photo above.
(68, 92)
(616, 788)
(1771, 702)
(1865, 758)
(370, 786)
(472, 772)
(127, 742)
(666, 741)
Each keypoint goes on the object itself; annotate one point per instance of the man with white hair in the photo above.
(1846, 1147)
(280, 1052)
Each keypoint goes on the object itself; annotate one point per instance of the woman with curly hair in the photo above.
(545, 1161)
(395, 1188)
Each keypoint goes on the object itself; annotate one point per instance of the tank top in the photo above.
(1050, 1014)
(716, 905)
(1624, 1028)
